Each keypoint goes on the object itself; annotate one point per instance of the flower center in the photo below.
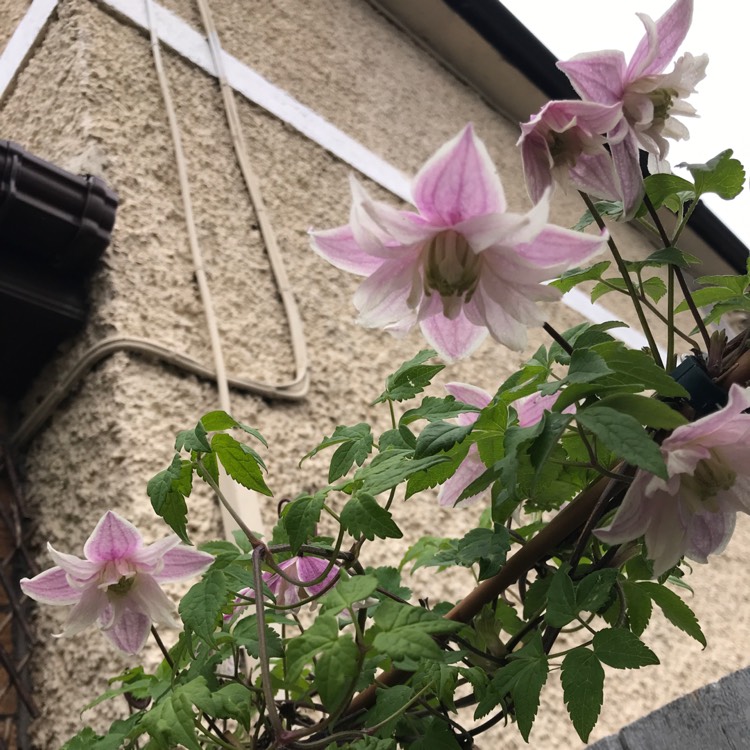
(564, 148)
(662, 100)
(452, 270)
(711, 476)
(122, 586)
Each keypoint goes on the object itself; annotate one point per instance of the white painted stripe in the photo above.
(184, 40)
(24, 38)
(188, 43)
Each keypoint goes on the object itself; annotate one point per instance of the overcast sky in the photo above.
(721, 28)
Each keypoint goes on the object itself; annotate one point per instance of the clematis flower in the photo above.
(649, 98)
(118, 582)
(693, 512)
(462, 265)
(302, 569)
(530, 410)
(563, 142)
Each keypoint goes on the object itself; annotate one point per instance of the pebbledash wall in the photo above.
(89, 100)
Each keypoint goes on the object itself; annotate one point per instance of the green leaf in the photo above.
(575, 276)
(633, 366)
(621, 649)
(240, 462)
(523, 679)
(410, 379)
(193, 440)
(536, 597)
(673, 256)
(661, 187)
(437, 736)
(355, 444)
(405, 633)
(388, 708)
(721, 175)
(389, 469)
(438, 472)
(336, 671)
(320, 636)
(348, 591)
(624, 436)
(301, 518)
(424, 551)
(489, 432)
(438, 437)
(603, 208)
(245, 634)
(218, 420)
(593, 591)
(487, 547)
(362, 515)
(435, 409)
(708, 296)
(561, 600)
(168, 490)
(639, 607)
(648, 411)
(200, 609)
(585, 366)
(582, 679)
(674, 609)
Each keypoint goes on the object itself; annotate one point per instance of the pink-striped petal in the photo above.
(112, 539)
(384, 297)
(557, 249)
(458, 182)
(451, 339)
(708, 534)
(91, 605)
(51, 587)
(77, 569)
(632, 517)
(130, 632)
(469, 394)
(340, 249)
(661, 40)
(182, 562)
(146, 596)
(597, 76)
(628, 169)
(471, 468)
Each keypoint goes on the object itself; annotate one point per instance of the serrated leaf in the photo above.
(436, 409)
(300, 519)
(362, 515)
(410, 379)
(437, 736)
(201, 607)
(405, 633)
(721, 175)
(633, 366)
(708, 296)
(348, 591)
(593, 591)
(603, 208)
(439, 472)
(648, 411)
(336, 670)
(245, 633)
(621, 649)
(192, 440)
(561, 600)
(321, 635)
(582, 679)
(624, 436)
(439, 437)
(586, 366)
(167, 497)
(673, 256)
(639, 607)
(389, 704)
(674, 609)
(488, 547)
(218, 420)
(240, 462)
(523, 678)
(660, 187)
(575, 276)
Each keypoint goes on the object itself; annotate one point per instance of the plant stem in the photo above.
(566, 347)
(626, 278)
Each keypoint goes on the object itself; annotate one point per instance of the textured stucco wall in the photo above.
(89, 99)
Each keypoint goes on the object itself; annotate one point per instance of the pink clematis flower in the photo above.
(302, 569)
(649, 98)
(462, 265)
(693, 512)
(530, 410)
(563, 142)
(117, 582)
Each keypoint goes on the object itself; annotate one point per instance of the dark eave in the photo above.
(483, 43)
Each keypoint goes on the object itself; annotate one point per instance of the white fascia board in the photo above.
(24, 38)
